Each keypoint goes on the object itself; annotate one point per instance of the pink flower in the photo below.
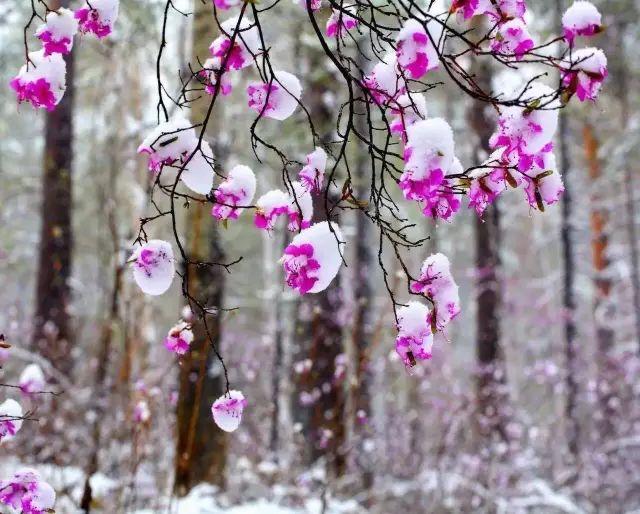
(298, 207)
(512, 38)
(10, 419)
(246, 44)
(277, 99)
(581, 19)
(98, 18)
(415, 338)
(415, 52)
(340, 22)
(32, 380)
(27, 492)
(58, 31)
(42, 82)
(384, 83)
(488, 182)
(543, 183)
(313, 258)
(312, 175)
(235, 193)
(141, 412)
(179, 338)
(408, 109)
(227, 410)
(153, 266)
(585, 73)
(209, 76)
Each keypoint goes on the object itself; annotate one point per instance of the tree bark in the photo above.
(52, 335)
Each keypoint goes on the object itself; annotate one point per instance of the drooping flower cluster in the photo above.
(512, 38)
(42, 81)
(384, 83)
(58, 31)
(408, 109)
(276, 99)
(153, 266)
(227, 410)
(339, 23)
(175, 143)
(584, 73)
(581, 19)
(297, 206)
(312, 174)
(415, 53)
(10, 419)
(415, 338)
(27, 492)
(32, 380)
(98, 17)
(179, 338)
(234, 194)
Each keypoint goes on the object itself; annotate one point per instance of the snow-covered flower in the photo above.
(98, 17)
(581, 19)
(58, 31)
(415, 53)
(490, 180)
(27, 492)
(437, 284)
(384, 83)
(314, 4)
(153, 266)
(406, 110)
(226, 4)
(415, 338)
(227, 410)
(298, 207)
(312, 174)
(340, 22)
(211, 71)
(543, 182)
(235, 193)
(313, 258)
(10, 419)
(42, 81)
(276, 99)
(141, 412)
(512, 39)
(32, 379)
(585, 73)
(497, 9)
(246, 44)
(179, 338)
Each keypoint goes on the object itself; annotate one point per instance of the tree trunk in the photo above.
(201, 450)
(52, 335)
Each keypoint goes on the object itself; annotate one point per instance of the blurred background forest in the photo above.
(532, 406)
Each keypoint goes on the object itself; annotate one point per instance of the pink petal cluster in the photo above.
(584, 74)
(210, 74)
(246, 44)
(408, 109)
(312, 174)
(340, 22)
(415, 53)
(512, 39)
(234, 194)
(437, 284)
(276, 99)
(415, 337)
(153, 266)
(32, 380)
(179, 338)
(227, 410)
(489, 181)
(581, 19)
(313, 258)
(226, 4)
(496, 9)
(10, 419)
(58, 31)
(542, 182)
(98, 17)
(27, 492)
(384, 83)
(297, 206)
(42, 82)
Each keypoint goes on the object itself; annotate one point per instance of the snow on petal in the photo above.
(98, 17)
(58, 31)
(340, 22)
(27, 492)
(154, 266)
(32, 379)
(314, 4)
(512, 39)
(415, 337)
(246, 44)
(226, 4)
(227, 410)
(10, 419)
(41, 81)
(179, 338)
(269, 206)
(543, 183)
(313, 258)
(276, 99)
(406, 110)
(415, 52)
(211, 71)
(238, 189)
(300, 209)
(198, 173)
(384, 83)
(169, 142)
(585, 73)
(312, 174)
(581, 19)
(490, 180)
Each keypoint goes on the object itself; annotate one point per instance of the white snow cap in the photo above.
(227, 410)
(154, 266)
(52, 68)
(589, 60)
(412, 321)
(581, 15)
(10, 410)
(170, 139)
(60, 24)
(199, 171)
(431, 146)
(32, 379)
(282, 99)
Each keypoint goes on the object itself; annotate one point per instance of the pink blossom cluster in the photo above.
(581, 19)
(153, 266)
(339, 23)
(179, 338)
(227, 410)
(27, 492)
(10, 419)
(234, 194)
(98, 17)
(297, 206)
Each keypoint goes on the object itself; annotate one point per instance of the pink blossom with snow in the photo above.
(384, 83)
(211, 71)
(27, 492)
(58, 31)
(490, 180)
(10, 419)
(153, 266)
(235, 193)
(543, 182)
(32, 380)
(340, 22)
(315, 5)
(498, 9)
(408, 109)
(512, 39)
(226, 4)
(313, 258)
(297, 206)
(98, 17)
(415, 53)
(312, 174)
(246, 44)
(585, 73)
(581, 19)
(141, 412)
(227, 410)
(179, 338)
(415, 338)
(42, 82)
(276, 99)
